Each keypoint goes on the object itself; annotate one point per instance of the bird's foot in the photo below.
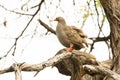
(69, 49)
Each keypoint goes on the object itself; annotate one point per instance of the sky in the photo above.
(42, 47)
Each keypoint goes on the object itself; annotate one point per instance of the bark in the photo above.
(83, 66)
(73, 66)
(112, 10)
(70, 64)
(98, 70)
(17, 69)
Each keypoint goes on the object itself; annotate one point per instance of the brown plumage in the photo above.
(70, 36)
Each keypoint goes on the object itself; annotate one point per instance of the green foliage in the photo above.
(98, 4)
(85, 17)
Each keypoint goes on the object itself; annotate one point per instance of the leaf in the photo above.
(85, 16)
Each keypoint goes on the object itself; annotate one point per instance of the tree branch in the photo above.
(68, 63)
(15, 11)
(61, 57)
(37, 67)
(17, 69)
(90, 69)
(17, 38)
(46, 26)
(97, 39)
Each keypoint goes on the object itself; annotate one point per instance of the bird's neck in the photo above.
(63, 22)
(62, 25)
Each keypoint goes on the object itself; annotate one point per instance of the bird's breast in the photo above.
(62, 37)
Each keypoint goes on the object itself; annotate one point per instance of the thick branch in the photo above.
(68, 63)
(38, 67)
(72, 66)
(90, 69)
(77, 58)
(18, 75)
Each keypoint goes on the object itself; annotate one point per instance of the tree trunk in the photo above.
(112, 11)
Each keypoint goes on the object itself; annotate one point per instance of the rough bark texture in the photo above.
(112, 10)
(73, 66)
(79, 65)
(83, 66)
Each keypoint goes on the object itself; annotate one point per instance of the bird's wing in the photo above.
(73, 36)
(76, 36)
(80, 32)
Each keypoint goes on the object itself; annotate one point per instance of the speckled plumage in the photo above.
(70, 35)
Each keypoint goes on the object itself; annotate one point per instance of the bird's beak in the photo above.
(55, 19)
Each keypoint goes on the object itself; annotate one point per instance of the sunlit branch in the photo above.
(66, 59)
(61, 56)
(98, 69)
(37, 67)
(17, 69)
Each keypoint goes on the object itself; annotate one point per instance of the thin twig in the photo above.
(100, 27)
(15, 11)
(16, 39)
(88, 3)
(98, 39)
(28, 23)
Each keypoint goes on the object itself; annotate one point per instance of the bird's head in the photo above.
(60, 20)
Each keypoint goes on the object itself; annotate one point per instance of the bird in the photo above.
(70, 36)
